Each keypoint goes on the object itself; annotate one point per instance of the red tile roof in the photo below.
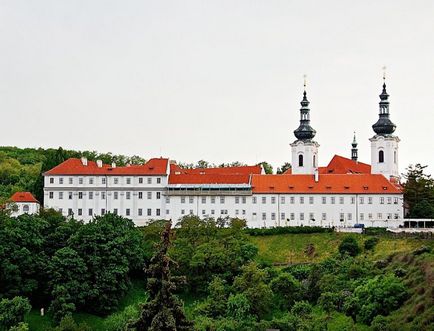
(328, 183)
(209, 179)
(23, 197)
(343, 165)
(75, 167)
(242, 170)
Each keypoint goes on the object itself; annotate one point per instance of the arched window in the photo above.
(26, 208)
(380, 156)
(394, 156)
(314, 161)
(300, 160)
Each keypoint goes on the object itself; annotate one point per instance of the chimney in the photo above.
(316, 176)
(84, 161)
(99, 163)
(113, 165)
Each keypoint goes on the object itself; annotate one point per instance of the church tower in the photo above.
(354, 151)
(384, 145)
(304, 149)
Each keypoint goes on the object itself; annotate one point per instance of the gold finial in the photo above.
(384, 73)
(304, 78)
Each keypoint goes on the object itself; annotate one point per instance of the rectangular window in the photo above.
(70, 213)
(127, 212)
(311, 216)
(70, 195)
(370, 216)
(203, 211)
(128, 195)
(301, 216)
(71, 180)
(324, 200)
(102, 211)
(237, 199)
(264, 216)
(149, 195)
(264, 200)
(212, 211)
(254, 200)
(90, 195)
(370, 200)
(324, 216)
(291, 200)
(140, 180)
(80, 212)
(341, 200)
(80, 195)
(212, 199)
(244, 212)
(90, 211)
(353, 200)
(128, 181)
(191, 212)
(396, 216)
(389, 200)
(361, 200)
(60, 195)
(203, 199)
(80, 180)
(182, 211)
(382, 200)
(236, 211)
(91, 180)
(311, 200)
(140, 212)
(115, 211)
(301, 200)
(243, 199)
(380, 216)
(282, 200)
(273, 216)
(158, 180)
(341, 217)
(149, 180)
(167, 212)
(222, 199)
(103, 195)
(149, 211)
(190, 200)
(332, 200)
(395, 201)
(140, 195)
(182, 199)
(51, 180)
(273, 200)
(61, 180)
(167, 199)
(115, 195)
(282, 216)
(115, 180)
(158, 212)
(350, 216)
(389, 216)
(51, 195)
(103, 180)
(362, 216)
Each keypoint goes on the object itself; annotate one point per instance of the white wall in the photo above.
(33, 208)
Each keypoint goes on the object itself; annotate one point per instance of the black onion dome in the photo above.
(384, 125)
(304, 131)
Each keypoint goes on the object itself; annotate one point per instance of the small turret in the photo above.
(354, 151)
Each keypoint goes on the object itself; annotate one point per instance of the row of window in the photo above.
(103, 180)
(91, 212)
(342, 216)
(103, 194)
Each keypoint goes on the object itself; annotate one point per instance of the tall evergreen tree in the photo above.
(164, 310)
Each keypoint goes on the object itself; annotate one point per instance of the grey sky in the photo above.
(214, 80)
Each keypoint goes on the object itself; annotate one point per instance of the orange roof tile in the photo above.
(343, 165)
(75, 167)
(328, 183)
(23, 197)
(209, 179)
(242, 170)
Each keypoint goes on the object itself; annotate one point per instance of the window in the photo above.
(102, 211)
(264, 216)
(350, 216)
(380, 157)
(301, 216)
(203, 212)
(158, 180)
(90, 212)
(182, 211)
(222, 199)
(324, 216)
(324, 200)
(273, 216)
(382, 200)
(389, 216)
(370, 216)
(291, 200)
(51, 180)
(90, 195)
(158, 195)
(128, 181)
(301, 200)
(236, 211)
(103, 180)
(150, 211)
(395, 201)
(341, 200)
(190, 199)
(311, 200)
(212, 200)
(140, 180)
(300, 160)
(26, 208)
(115, 195)
(149, 195)
(380, 216)
(244, 212)
(243, 199)
(362, 217)
(282, 216)
(70, 213)
(237, 199)
(361, 200)
(80, 195)
(389, 200)
(80, 180)
(332, 200)
(264, 200)
(91, 181)
(140, 195)
(341, 217)
(273, 200)
(254, 200)
(182, 199)
(312, 216)
(282, 200)
(396, 216)
(203, 199)
(167, 199)
(353, 200)
(370, 200)
(212, 211)
(80, 212)
(71, 180)
(61, 180)
(149, 180)
(167, 212)
(115, 180)
(128, 195)
(292, 216)
(394, 157)
(140, 212)
(60, 195)
(127, 212)
(103, 195)
(115, 211)
(70, 195)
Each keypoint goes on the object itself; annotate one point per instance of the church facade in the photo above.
(346, 192)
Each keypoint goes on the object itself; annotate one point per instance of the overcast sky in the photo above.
(215, 80)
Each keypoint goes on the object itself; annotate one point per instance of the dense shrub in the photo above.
(349, 246)
(12, 312)
(287, 230)
(370, 243)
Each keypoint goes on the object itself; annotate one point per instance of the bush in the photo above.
(371, 243)
(287, 230)
(421, 250)
(301, 308)
(380, 323)
(12, 312)
(349, 246)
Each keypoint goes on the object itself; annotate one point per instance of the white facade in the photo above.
(304, 157)
(384, 155)
(21, 208)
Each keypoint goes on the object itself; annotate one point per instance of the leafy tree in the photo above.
(268, 168)
(68, 324)
(349, 246)
(286, 289)
(215, 304)
(301, 308)
(238, 307)
(370, 243)
(284, 168)
(12, 312)
(418, 192)
(164, 311)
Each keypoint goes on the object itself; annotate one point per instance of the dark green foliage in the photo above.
(301, 308)
(284, 168)
(286, 289)
(421, 250)
(163, 311)
(268, 168)
(239, 307)
(286, 230)
(12, 312)
(419, 192)
(370, 243)
(380, 323)
(68, 324)
(349, 246)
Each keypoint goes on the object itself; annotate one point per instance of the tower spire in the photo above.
(304, 132)
(354, 150)
(384, 126)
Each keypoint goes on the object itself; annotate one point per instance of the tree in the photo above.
(286, 289)
(284, 168)
(268, 168)
(349, 246)
(164, 311)
(419, 192)
(12, 312)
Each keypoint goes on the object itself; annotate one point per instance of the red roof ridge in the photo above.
(23, 197)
